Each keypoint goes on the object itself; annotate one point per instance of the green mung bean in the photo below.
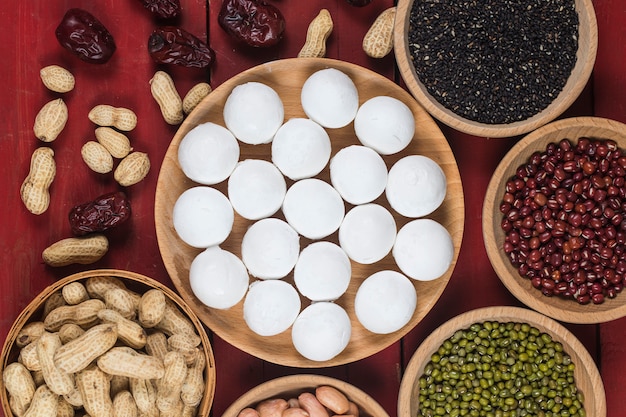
(499, 369)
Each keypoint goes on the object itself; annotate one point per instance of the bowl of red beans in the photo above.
(554, 220)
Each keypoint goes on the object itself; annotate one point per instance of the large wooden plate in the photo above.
(287, 77)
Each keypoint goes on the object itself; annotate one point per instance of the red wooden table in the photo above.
(28, 44)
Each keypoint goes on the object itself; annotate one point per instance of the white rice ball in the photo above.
(367, 233)
(321, 331)
(256, 189)
(323, 271)
(359, 174)
(385, 124)
(270, 248)
(330, 98)
(270, 307)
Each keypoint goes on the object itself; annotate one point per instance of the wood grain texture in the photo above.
(286, 77)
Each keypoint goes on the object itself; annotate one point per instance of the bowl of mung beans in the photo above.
(495, 68)
(501, 361)
(554, 220)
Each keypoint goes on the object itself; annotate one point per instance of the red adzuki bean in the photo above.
(563, 218)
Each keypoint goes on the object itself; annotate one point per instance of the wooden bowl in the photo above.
(287, 77)
(565, 310)
(133, 281)
(291, 386)
(586, 373)
(586, 55)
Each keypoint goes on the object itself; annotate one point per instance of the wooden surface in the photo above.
(286, 77)
(28, 44)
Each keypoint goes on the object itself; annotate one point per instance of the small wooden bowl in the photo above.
(586, 373)
(586, 55)
(133, 281)
(565, 310)
(291, 386)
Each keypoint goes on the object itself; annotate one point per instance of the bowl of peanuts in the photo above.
(305, 395)
(478, 71)
(553, 220)
(107, 342)
(501, 359)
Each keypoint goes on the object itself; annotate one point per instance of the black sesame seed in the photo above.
(494, 61)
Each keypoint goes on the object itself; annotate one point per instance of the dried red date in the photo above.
(165, 9)
(105, 212)
(85, 36)
(173, 45)
(253, 22)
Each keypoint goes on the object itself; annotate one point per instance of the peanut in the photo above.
(77, 354)
(44, 404)
(248, 412)
(194, 96)
(83, 314)
(69, 332)
(53, 301)
(169, 101)
(353, 410)
(98, 286)
(193, 388)
(120, 300)
(156, 345)
(118, 117)
(333, 399)
(272, 407)
(115, 142)
(311, 405)
(57, 79)
(378, 41)
(94, 388)
(293, 403)
(28, 357)
(175, 411)
(151, 308)
(124, 405)
(29, 333)
(294, 412)
(76, 250)
(97, 157)
(144, 394)
(185, 343)
(20, 386)
(174, 321)
(58, 381)
(128, 362)
(35, 188)
(64, 409)
(50, 120)
(132, 169)
(74, 293)
(38, 377)
(170, 385)
(74, 397)
(118, 384)
(128, 331)
(317, 33)
(189, 411)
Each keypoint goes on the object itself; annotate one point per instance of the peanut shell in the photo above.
(57, 79)
(50, 120)
(76, 250)
(97, 157)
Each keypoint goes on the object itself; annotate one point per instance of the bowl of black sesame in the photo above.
(501, 361)
(495, 68)
(554, 220)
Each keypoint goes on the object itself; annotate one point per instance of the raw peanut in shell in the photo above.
(45, 403)
(38, 378)
(144, 394)
(118, 117)
(378, 41)
(311, 405)
(115, 142)
(124, 405)
(50, 120)
(76, 250)
(59, 382)
(174, 321)
(29, 358)
(193, 388)
(98, 286)
(170, 385)
(167, 97)
(69, 332)
(120, 300)
(156, 345)
(20, 386)
(132, 169)
(57, 79)
(151, 308)
(317, 33)
(125, 361)
(194, 96)
(128, 331)
(53, 301)
(74, 293)
(77, 354)
(97, 157)
(333, 399)
(94, 388)
(29, 333)
(74, 397)
(84, 314)
(64, 409)
(272, 407)
(118, 384)
(35, 188)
